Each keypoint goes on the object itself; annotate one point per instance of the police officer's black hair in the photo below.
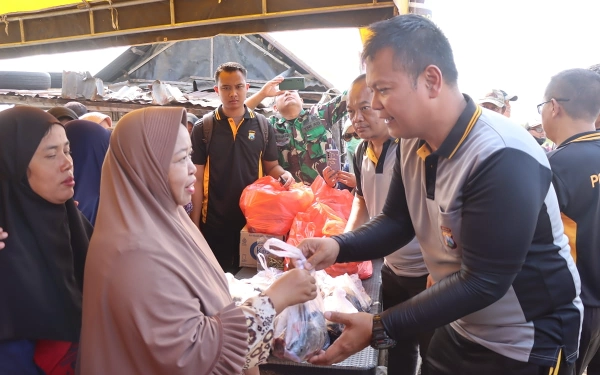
(417, 43)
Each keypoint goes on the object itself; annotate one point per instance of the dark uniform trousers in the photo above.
(402, 359)
(451, 354)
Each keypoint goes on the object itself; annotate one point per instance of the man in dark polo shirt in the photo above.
(237, 156)
(576, 178)
(477, 193)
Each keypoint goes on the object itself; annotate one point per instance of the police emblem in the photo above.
(448, 239)
(251, 135)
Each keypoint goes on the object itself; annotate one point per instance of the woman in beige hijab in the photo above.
(155, 299)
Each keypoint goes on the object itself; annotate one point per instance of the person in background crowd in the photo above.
(344, 179)
(99, 118)
(77, 107)
(89, 143)
(63, 114)
(507, 99)
(477, 193)
(301, 135)
(596, 69)
(569, 110)
(237, 157)
(404, 274)
(42, 261)
(191, 120)
(156, 301)
(351, 140)
(535, 128)
(494, 101)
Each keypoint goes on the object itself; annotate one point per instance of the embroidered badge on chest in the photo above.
(251, 135)
(448, 239)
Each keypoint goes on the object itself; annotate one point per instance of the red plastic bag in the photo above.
(339, 200)
(363, 269)
(270, 208)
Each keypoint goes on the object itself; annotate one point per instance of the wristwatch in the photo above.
(380, 338)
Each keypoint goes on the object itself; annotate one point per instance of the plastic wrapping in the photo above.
(300, 330)
(270, 208)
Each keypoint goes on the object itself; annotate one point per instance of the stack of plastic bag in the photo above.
(270, 208)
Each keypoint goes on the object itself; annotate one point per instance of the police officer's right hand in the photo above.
(320, 252)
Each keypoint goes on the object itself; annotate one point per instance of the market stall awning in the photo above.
(50, 26)
(16, 6)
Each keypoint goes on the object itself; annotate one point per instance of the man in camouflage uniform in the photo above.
(301, 135)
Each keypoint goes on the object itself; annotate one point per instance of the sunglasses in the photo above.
(348, 136)
(537, 129)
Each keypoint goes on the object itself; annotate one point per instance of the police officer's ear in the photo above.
(432, 75)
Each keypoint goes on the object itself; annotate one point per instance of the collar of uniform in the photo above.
(371, 154)
(281, 120)
(459, 132)
(219, 114)
(582, 137)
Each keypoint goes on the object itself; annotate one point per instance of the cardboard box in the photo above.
(251, 244)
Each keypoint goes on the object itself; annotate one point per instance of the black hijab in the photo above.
(41, 267)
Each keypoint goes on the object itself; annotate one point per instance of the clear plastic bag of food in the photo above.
(300, 330)
(337, 302)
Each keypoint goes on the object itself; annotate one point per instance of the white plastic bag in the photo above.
(338, 302)
(300, 330)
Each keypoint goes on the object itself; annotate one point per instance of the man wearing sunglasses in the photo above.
(536, 129)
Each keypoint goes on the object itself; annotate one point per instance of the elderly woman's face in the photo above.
(50, 171)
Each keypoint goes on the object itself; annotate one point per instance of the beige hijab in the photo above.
(155, 299)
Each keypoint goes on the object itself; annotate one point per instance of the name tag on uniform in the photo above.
(313, 122)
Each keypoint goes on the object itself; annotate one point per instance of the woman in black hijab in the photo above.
(42, 262)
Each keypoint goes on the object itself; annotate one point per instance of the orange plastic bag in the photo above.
(313, 221)
(339, 200)
(270, 208)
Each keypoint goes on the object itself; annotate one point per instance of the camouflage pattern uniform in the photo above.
(301, 142)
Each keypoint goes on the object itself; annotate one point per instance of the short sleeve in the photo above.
(198, 146)
(271, 149)
(357, 167)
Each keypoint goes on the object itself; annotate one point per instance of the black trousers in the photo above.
(589, 343)
(402, 359)
(451, 354)
(225, 246)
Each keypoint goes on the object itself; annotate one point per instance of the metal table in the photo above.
(362, 363)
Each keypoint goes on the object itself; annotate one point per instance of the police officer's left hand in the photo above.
(356, 336)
